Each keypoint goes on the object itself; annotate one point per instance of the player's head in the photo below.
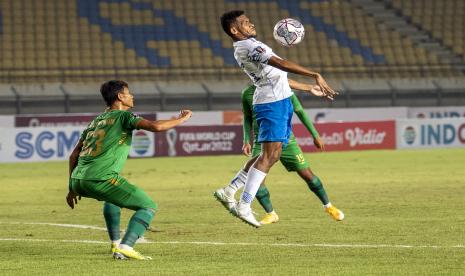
(237, 25)
(117, 91)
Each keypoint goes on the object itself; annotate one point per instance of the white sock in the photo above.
(236, 183)
(254, 179)
(116, 241)
(124, 246)
(328, 205)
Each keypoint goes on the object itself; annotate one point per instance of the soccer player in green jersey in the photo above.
(291, 157)
(98, 158)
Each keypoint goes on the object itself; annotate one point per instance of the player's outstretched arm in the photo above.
(162, 125)
(295, 68)
(313, 89)
(307, 122)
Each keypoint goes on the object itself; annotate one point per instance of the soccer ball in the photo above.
(288, 32)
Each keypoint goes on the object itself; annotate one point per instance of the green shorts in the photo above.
(116, 190)
(292, 157)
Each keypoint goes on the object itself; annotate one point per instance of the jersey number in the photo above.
(93, 138)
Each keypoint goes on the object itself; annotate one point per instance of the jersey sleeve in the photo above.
(303, 117)
(259, 52)
(129, 120)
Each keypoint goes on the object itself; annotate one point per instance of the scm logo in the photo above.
(46, 144)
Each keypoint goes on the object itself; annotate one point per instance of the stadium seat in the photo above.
(444, 20)
(88, 41)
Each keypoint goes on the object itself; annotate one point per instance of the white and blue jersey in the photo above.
(272, 84)
(271, 101)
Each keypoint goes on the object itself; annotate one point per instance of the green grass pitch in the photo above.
(405, 214)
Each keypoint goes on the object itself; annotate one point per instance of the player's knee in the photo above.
(270, 158)
(250, 163)
(273, 158)
(153, 206)
(144, 216)
(306, 174)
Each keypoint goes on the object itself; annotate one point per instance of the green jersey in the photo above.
(106, 143)
(250, 120)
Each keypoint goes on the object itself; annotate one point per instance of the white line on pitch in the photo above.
(81, 226)
(58, 225)
(249, 244)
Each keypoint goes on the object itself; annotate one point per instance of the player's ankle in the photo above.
(124, 246)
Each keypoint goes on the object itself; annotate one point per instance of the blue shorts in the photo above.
(274, 121)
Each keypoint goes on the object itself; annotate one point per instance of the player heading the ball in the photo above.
(271, 100)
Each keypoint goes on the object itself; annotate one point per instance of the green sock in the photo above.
(263, 197)
(139, 222)
(317, 188)
(112, 214)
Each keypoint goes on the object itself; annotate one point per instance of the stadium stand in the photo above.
(174, 51)
(444, 20)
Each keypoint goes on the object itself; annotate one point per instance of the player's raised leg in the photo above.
(316, 186)
(263, 197)
(257, 173)
(226, 194)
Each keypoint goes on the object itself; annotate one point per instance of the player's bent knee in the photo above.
(153, 207)
(144, 216)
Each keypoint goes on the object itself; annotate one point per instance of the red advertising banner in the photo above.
(349, 136)
(199, 140)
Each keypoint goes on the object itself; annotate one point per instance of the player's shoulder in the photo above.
(120, 113)
(121, 116)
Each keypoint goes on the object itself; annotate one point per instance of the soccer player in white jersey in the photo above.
(271, 102)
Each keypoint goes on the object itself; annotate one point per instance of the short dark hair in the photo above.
(228, 18)
(110, 90)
